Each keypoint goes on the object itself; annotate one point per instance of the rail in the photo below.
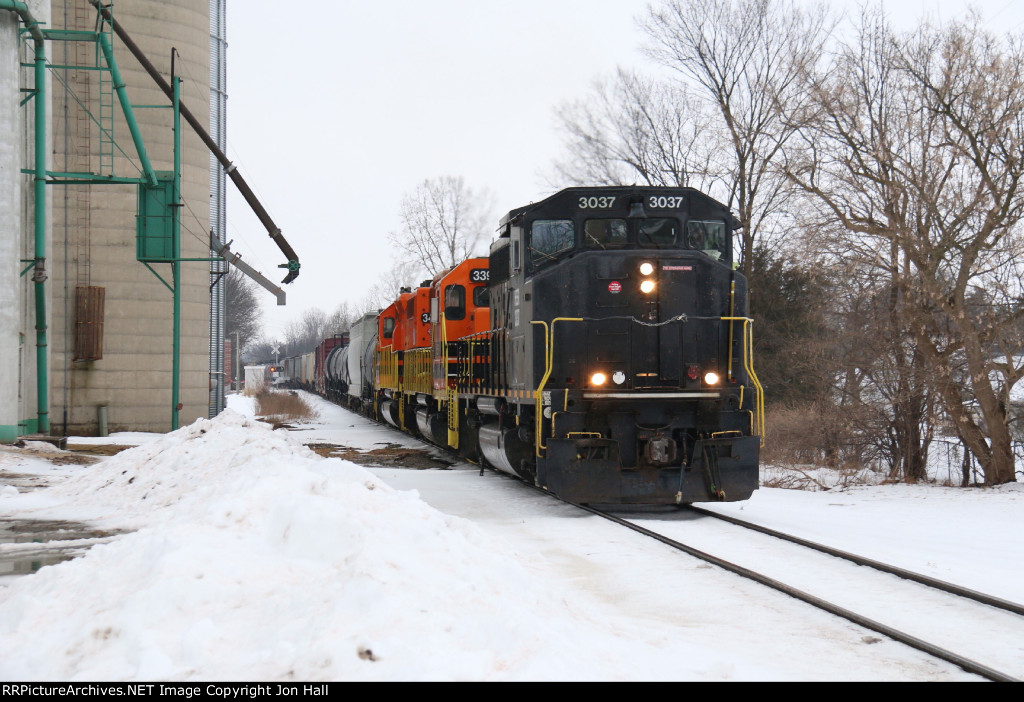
(903, 573)
(956, 659)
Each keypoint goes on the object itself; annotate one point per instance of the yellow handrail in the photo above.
(387, 368)
(749, 358)
(418, 371)
(757, 416)
(732, 312)
(757, 420)
(549, 362)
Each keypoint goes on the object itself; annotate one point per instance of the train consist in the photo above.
(601, 352)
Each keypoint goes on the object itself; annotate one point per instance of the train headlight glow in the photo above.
(711, 378)
(646, 268)
(598, 379)
(647, 287)
(619, 377)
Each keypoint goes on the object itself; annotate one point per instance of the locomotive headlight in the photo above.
(619, 377)
(711, 378)
(646, 268)
(647, 287)
(598, 379)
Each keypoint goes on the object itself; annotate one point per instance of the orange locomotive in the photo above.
(417, 359)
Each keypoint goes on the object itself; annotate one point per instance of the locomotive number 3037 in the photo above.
(665, 203)
(596, 203)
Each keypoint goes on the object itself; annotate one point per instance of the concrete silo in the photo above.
(109, 335)
(20, 238)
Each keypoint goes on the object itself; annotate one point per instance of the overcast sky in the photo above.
(338, 109)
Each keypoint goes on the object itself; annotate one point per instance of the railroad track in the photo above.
(935, 583)
(1012, 611)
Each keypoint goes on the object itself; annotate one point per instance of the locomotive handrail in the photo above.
(473, 341)
(451, 390)
(549, 362)
(387, 368)
(757, 420)
(419, 370)
(748, 364)
(732, 313)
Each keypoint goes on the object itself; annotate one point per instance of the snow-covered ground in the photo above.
(249, 557)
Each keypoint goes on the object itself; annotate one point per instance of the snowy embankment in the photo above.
(254, 558)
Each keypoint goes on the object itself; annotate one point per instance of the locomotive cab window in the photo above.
(605, 233)
(455, 302)
(657, 233)
(707, 235)
(550, 237)
(481, 296)
(389, 327)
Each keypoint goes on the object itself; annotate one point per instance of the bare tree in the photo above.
(242, 310)
(443, 222)
(915, 147)
(340, 319)
(638, 130)
(404, 273)
(305, 334)
(259, 351)
(746, 57)
(856, 99)
(884, 382)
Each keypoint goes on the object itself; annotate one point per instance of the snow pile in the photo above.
(817, 478)
(261, 560)
(41, 447)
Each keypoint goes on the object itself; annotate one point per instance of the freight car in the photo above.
(602, 351)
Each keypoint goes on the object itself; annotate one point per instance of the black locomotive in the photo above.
(618, 367)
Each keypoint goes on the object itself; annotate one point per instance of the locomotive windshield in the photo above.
(550, 237)
(614, 219)
(707, 236)
(655, 233)
(605, 233)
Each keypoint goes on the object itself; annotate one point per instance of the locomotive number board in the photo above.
(653, 202)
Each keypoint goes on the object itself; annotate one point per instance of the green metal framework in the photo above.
(159, 225)
(159, 231)
(155, 223)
